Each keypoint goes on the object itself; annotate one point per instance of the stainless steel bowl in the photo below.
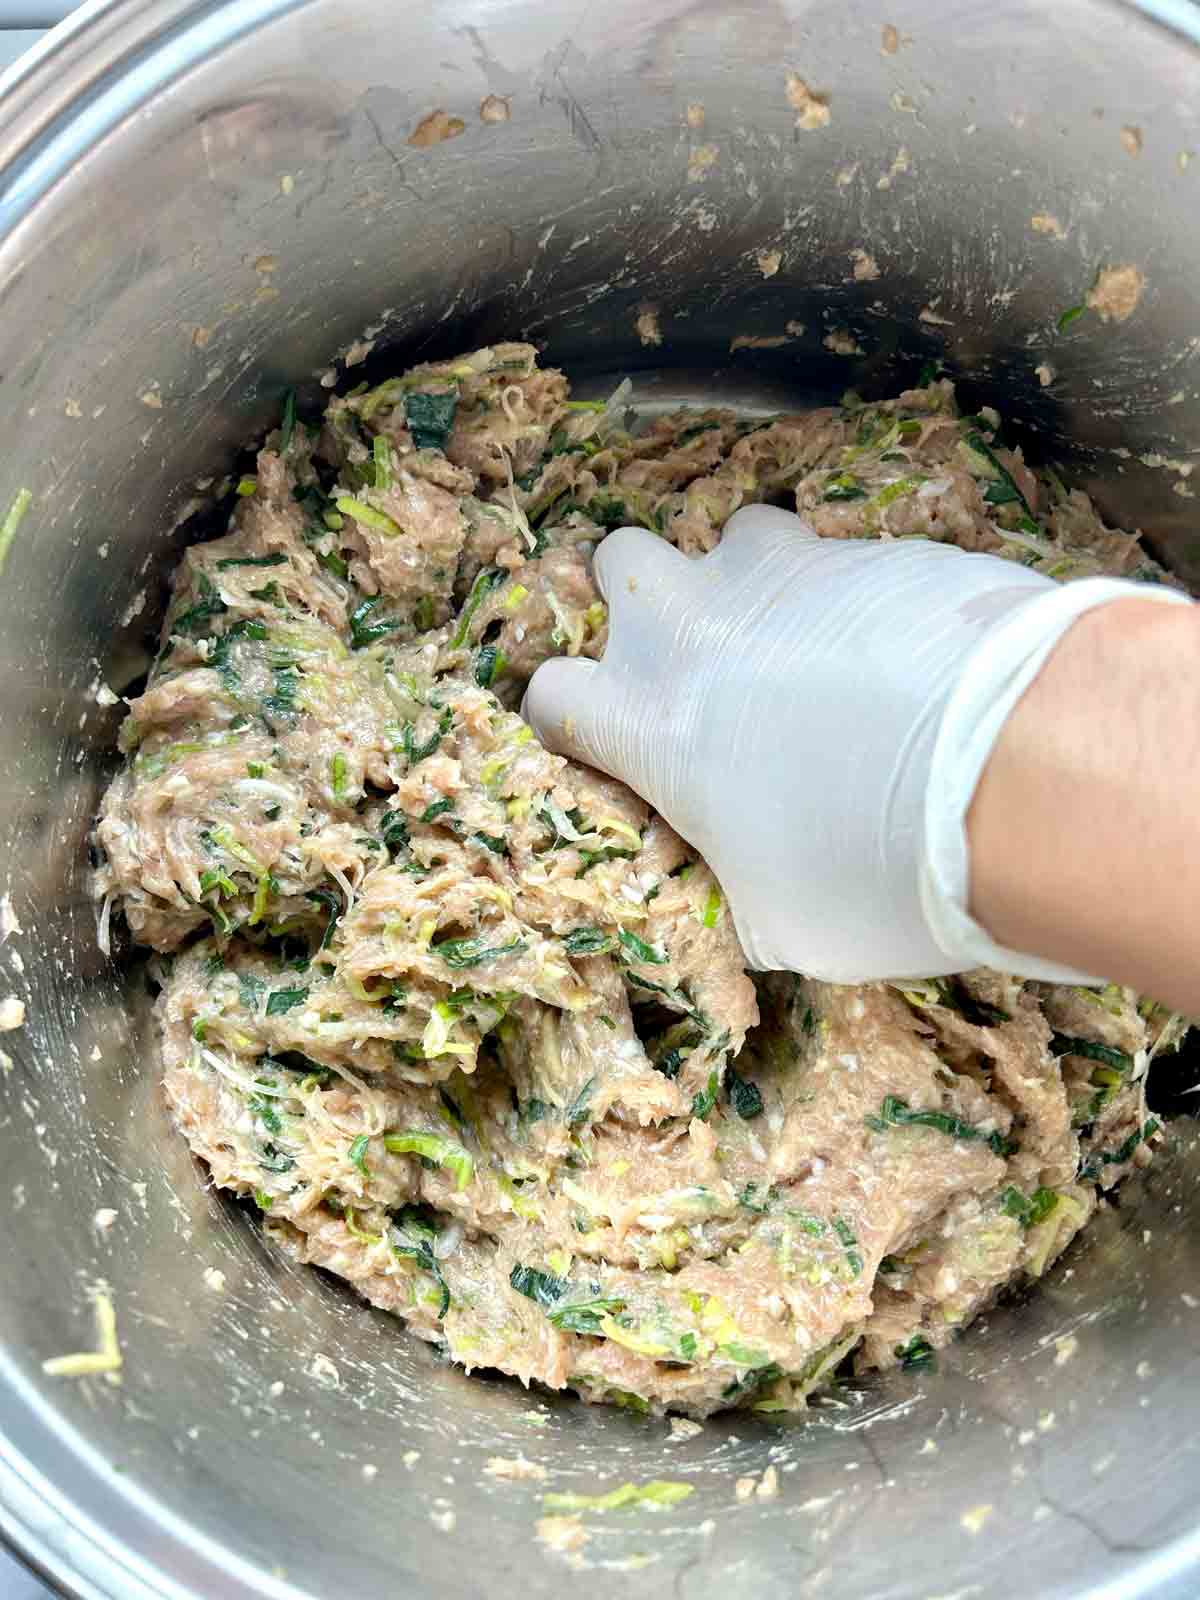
(204, 200)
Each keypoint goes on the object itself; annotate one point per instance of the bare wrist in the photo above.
(1067, 824)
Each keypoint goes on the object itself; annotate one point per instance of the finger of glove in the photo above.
(642, 578)
(577, 709)
(758, 532)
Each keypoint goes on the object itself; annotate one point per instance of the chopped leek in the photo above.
(433, 1147)
(744, 1096)
(657, 1494)
(282, 1000)
(430, 418)
(22, 501)
(896, 1113)
(460, 953)
(639, 950)
(916, 1355)
(487, 580)
(357, 1154)
(367, 515)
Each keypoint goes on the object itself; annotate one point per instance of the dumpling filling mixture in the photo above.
(468, 1022)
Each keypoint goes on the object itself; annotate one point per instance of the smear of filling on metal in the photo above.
(468, 1023)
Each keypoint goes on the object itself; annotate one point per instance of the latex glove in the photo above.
(813, 716)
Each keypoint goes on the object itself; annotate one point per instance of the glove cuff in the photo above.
(998, 672)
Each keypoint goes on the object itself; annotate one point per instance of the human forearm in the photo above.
(1084, 827)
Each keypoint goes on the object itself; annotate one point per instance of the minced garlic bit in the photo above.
(812, 110)
(563, 1535)
(12, 1014)
(974, 1519)
(513, 1468)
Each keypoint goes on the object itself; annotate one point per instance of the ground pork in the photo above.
(467, 1023)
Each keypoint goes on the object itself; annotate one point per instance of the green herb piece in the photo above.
(411, 1239)
(13, 519)
(414, 752)
(750, 1382)
(262, 1200)
(928, 374)
(744, 1355)
(394, 831)
(281, 1000)
(363, 630)
(712, 908)
(381, 460)
(579, 1111)
(489, 665)
(1029, 1210)
(1098, 1160)
(281, 702)
(1064, 1044)
(695, 431)
(356, 1155)
(430, 418)
(337, 776)
(545, 1289)
(250, 991)
(896, 1113)
(1070, 315)
(584, 1316)
(843, 486)
(460, 953)
(332, 904)
(272, 1159)
(849, 1244)
(587, 942)
(423, 614)
(208, 605)
(368, 516)
(492, 842)
(608, 511)
(917, 1355)
(592, 858)
(275, 560)
(658, 1494)
(332, 562)
(749, 1198)
(217, 878)
(488, 579)
(744, 1096)
(435, 809)
(639, 950)
(703, 1103)
(246, 487)
(814, 1226)
(679, 1045)
(433, 1147)
(1003, 483)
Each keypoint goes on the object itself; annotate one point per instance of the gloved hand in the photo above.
(813, 716)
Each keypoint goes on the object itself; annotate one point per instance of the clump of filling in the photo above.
(468, 1022)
